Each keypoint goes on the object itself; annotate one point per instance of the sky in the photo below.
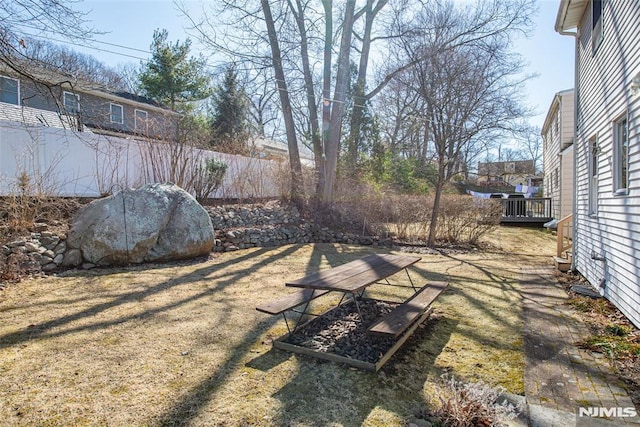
(131, 24)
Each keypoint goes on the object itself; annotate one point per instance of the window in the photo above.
(620, 156)
(593, 176)
(9, 90)
(71, 103)
(141, 120)
(596, 24)
(115, 114)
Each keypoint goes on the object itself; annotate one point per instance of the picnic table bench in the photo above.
(403, 316)
(352, 279)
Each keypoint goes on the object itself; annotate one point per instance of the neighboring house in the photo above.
(557, 134)
(606, 247)
(506, 173)
(270, 149)
(83, 107)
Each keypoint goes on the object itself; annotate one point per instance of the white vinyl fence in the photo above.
(61, 162)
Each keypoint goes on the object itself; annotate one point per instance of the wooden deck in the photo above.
(534, 211)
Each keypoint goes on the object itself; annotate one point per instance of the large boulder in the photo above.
(158, 222)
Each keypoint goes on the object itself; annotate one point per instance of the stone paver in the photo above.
(558, 375)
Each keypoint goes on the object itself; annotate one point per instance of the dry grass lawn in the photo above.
(184, 345)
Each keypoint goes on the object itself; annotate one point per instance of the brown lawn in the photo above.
(182, 344)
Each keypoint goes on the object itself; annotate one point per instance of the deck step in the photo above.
(562, 264)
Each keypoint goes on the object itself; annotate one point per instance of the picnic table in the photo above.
(351, 280)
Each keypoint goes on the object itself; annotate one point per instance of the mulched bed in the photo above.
(343, 332)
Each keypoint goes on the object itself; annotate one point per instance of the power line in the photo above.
(95, 41)
(91, 47)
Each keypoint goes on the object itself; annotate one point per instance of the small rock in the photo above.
(58, 259)
(49, 267)
(40, 226)
(60, 248)
(16, 243)
(87, 266)
(18, 250)
(32, 247)
(44, 260)
(72, 258)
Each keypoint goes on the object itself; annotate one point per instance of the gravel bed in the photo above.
(342, 332)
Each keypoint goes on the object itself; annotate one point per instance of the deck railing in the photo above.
(526, 210)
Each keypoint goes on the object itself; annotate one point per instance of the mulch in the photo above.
(342, 331)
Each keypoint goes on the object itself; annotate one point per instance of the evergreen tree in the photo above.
(171, 76)
(229, 121)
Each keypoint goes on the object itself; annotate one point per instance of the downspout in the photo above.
(574, 211)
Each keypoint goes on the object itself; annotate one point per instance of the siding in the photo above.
(95, 110)
(558, 172)
(566, 182)
(603, 94)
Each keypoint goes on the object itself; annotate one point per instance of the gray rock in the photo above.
(58, 259)
(16, 243)
(32, 247)
(18, 250)
(49, 267)
(5, 250)
(88, 266)
(158, 222)
(72, 258)
(40, 226)
(49, 242)
(60, 248)
(44, 260)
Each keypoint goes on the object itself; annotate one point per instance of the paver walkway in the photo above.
(560, 377)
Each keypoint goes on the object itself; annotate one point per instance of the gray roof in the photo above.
(34, 117)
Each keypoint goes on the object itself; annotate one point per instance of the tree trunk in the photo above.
(359, 99)
(276, 58)
(332, 145)
(326, 90)
(316, 141)
(433, 225)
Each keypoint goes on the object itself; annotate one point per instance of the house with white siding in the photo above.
(557, 136)
(606, 247)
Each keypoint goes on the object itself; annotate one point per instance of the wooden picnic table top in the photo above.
(356, 275)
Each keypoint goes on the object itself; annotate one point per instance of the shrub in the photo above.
(463, 219)
(208, 177)
(471, 404)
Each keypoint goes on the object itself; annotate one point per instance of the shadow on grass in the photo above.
(326, 393)
(189, 406)
(44, 329)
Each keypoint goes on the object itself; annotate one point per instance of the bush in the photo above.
(463, 219)
(471, 404)
(208, 177)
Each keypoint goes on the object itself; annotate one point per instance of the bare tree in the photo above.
(530, 144)
(43, 17)
(292, 142)
(470, 90)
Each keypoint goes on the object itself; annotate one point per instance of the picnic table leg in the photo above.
(286, 322)
(302, 313)
(411, 281)
(355, 301)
